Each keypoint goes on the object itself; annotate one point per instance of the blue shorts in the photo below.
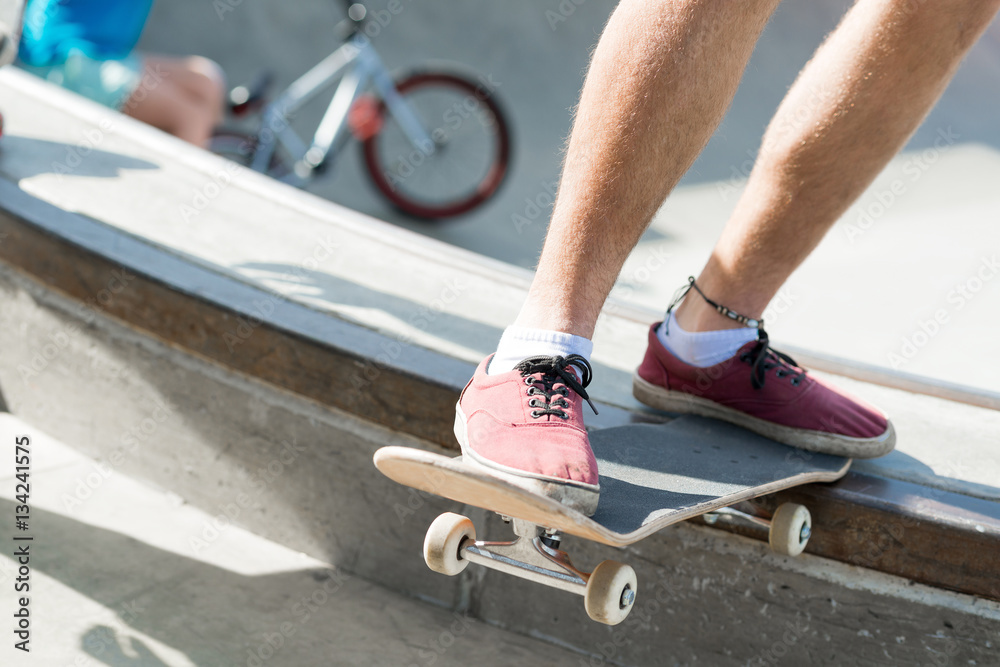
(107, 82)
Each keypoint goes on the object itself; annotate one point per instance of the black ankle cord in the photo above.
(758, 357)
(731, 314)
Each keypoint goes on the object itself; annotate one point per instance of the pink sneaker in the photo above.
(763, 390)
(526, 427)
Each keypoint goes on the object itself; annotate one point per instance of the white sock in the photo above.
(704, 348)
(519, 343)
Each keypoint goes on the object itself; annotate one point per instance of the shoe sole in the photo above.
(657, 397)
(576, 495)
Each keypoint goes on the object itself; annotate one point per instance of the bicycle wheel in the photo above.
(240, 148)
(470, 154)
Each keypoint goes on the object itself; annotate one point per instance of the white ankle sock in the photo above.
(519, 343)
(704, 348)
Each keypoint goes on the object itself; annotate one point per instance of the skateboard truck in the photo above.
(788, 530)
(608, 591)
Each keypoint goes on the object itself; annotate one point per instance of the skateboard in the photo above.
(651, 476)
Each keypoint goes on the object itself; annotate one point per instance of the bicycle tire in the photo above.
(485, 173)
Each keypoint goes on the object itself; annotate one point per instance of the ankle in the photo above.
(696, 316)
(706, 307)
(519, 343)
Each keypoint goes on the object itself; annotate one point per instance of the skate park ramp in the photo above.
(205, 394)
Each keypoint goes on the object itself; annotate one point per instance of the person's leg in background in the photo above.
(182, 96)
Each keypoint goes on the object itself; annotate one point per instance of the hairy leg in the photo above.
(852, 108)
(660, 81)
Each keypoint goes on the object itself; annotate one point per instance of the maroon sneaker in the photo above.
(526, 427)
(765, 391)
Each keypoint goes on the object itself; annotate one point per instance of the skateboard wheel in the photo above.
(791, 526)
(443, 543)
(610, 592)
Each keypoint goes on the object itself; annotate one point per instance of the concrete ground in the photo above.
(905, 279)
(127, 575)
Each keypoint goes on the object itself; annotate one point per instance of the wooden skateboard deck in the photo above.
(651, 476)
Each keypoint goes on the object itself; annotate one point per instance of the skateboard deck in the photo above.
(651, 476)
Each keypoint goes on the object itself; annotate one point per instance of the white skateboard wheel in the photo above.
(791, 526)
(443, 543)
(610, 592)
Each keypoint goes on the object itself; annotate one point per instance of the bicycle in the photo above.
(435, 142)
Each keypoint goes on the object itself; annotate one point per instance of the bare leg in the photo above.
(852, 108)
(660, 81)
(182, 96)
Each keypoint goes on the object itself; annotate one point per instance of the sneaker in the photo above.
(526, 427)
(764, 391)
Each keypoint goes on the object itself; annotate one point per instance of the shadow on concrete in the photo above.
(24, 157)
(208, 613)
(103, 643)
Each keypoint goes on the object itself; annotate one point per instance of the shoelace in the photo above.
(763, 358)
(554, 370)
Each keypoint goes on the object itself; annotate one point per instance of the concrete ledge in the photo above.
(288, 468)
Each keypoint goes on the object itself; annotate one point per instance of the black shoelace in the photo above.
(762, 357)
(546, 397)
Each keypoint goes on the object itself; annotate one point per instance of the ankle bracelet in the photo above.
(731, 314)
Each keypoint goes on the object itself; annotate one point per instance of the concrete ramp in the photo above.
(250, 360)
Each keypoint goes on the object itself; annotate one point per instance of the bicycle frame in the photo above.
(357, 65)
